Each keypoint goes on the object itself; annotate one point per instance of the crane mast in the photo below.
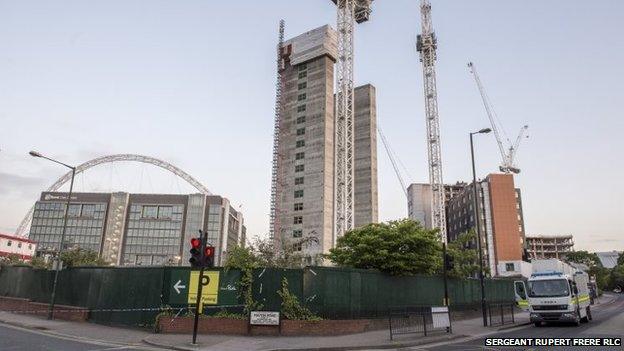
(274, 231)
(349, 12)
(426, 46)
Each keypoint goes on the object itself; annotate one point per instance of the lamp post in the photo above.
(477, 223)
(58, 256)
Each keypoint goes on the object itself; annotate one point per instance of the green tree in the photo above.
(11, 260)
(589, 259)
(617, 276)
(75, 257)
(39, 262)
(620, 260)
(397, 247)
(465, 258)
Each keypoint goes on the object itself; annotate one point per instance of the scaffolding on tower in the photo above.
(426, 46)
(274, 229)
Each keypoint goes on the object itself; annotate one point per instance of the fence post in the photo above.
(390, 323)
(425, 323)
(502, 315)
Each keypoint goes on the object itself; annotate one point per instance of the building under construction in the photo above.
(549, 246)
(304, 164)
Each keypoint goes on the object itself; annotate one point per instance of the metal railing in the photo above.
(500, 313)
(418, 320)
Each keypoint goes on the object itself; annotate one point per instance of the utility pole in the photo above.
(427, 45)
(478, 224)
(200, 284)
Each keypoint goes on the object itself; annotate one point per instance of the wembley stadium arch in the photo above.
(21, 229)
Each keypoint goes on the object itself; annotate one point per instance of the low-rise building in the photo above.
(137, 229)
(15, 245)
(549, 246)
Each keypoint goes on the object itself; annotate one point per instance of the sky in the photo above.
(193, 82)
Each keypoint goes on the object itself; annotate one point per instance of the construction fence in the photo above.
(135, 295)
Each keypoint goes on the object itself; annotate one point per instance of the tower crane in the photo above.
(386, 145)
(426, 46)
(508, 154)
(349, 12)
(274, 227)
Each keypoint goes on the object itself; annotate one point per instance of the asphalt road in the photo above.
(608, 321)
(18, 339)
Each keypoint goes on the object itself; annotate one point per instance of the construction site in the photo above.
(324, 175)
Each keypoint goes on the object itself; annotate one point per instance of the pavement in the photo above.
(65, 335)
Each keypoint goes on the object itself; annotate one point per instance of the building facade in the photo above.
(549, 246)
(13, 245)
(499, 209)
(419, 200)
(136, 229)
(305, 172)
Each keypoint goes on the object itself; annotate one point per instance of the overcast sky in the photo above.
(192, 82)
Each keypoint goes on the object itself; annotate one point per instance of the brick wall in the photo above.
(184, 325)
(18, 305)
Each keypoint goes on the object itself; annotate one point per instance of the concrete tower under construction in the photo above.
(305, 172)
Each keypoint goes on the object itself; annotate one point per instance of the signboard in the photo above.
(210, 289)
(264, 318)
(440, 317)
(179, 286)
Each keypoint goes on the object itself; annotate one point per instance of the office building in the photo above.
(305, 172)
(11, 245)
(501, 222)
(549, 246)
(137, 229)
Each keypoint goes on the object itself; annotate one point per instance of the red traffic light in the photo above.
(195, 243)
(209, 251)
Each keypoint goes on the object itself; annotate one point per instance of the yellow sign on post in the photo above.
(210, 289)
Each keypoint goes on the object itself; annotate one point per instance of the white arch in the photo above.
(109, 159)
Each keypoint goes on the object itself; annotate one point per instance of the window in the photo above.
(301, 108)
(301, 97)
(9, 243)
(300, 155)
(297, 233)
(302, 67)
(301, 131)
(19, 245)
(149, 212)
(165, 212)
(301, 119)
(298, 194)
(299, 168)
(297, 247)
(298, 180)
(301, 143)
(302, 85)
(298, 220)
(509, 267)
(29, 246)
(299, 206)
(74, 210)
(88, 210)
(303, 74)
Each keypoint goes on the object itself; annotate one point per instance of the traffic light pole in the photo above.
(200, 284)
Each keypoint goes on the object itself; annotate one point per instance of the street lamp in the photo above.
(477, 223)
(58, 256)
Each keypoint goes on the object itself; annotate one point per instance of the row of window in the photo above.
(300, 131)
(58, 222)
(139, 224)
(19, 244)
(42, 231)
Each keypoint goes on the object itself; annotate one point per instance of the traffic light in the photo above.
(196, 253)
(209, 252)
(448, 262)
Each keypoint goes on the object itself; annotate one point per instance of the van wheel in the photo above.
(577, 322)
(538, 324)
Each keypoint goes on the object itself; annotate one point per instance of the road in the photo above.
(608, 322)
(19, 339)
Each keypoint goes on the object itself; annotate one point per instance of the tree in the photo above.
(617, 276)
(77, 256)
(397, 247)
(11, 260)
(465, 258)
(584, 257)
(620, 260)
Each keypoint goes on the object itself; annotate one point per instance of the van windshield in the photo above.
(549, 288)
